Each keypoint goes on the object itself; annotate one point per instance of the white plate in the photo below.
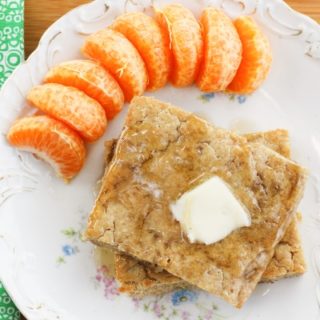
(51, 273)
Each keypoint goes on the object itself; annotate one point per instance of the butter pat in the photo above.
(209, 212)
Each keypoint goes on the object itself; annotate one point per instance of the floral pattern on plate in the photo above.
(285, 101)
(73, 238)
(181, 304)
(208, 96)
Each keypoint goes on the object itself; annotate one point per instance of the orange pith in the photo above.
(72, 107)
(256, 57)
(145, 34)
(91, 78)
(183, 31)
(51, 140)
(117, 55)
(222, 51)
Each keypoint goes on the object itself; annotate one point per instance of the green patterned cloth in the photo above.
(8, 311)
(11, 36)
(11, 54)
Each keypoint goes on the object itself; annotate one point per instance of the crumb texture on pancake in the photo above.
(140, 278)
(162, 152)
(288, 259)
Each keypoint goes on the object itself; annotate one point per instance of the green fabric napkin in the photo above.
(8, 310)
(11, 54)
(11, 36)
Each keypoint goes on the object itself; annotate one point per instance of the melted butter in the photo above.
(209, 212)
(105, 257)
(242, 126)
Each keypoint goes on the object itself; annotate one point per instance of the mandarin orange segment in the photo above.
(256, 57)
(91, 78)
(222, 51)
(50, 140)
(145, 34)
(118, 55)
(183, 31)
(71, 106)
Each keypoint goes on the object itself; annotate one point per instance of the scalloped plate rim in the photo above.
(11, 289)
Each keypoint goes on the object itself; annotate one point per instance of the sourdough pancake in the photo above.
(140, 278)
(163, 152)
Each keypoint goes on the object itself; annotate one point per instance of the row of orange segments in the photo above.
(134, 54)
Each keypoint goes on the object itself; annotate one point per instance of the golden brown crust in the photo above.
(162, 152)
(277, 140)
(139, 278)
(288, 259)
(142, 278)
(109, 147)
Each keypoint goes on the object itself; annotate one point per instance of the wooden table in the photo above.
(39, 14)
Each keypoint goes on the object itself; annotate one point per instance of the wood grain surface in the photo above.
(39, 14)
